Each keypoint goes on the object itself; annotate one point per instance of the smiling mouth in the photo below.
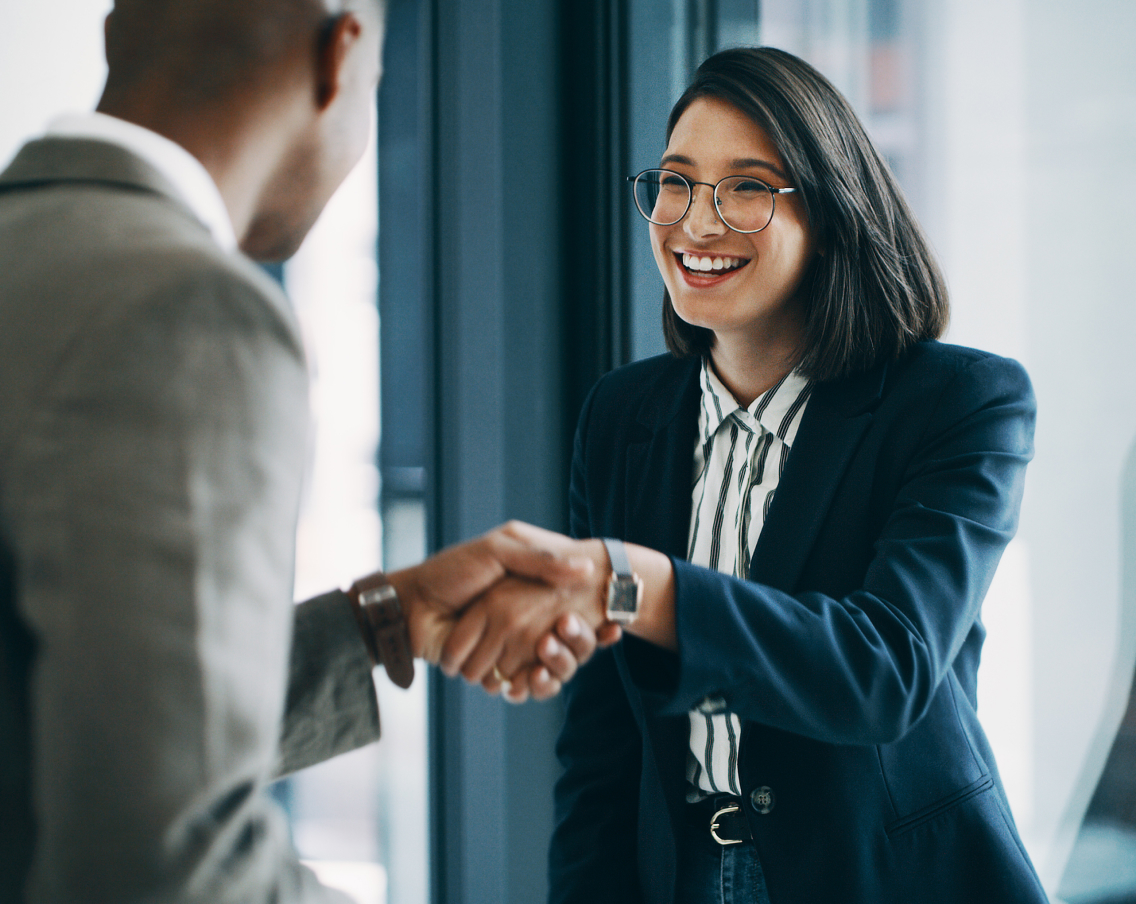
(709, 264)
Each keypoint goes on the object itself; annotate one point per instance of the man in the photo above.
(153, 674)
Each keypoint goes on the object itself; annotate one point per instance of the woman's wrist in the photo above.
(656, 620)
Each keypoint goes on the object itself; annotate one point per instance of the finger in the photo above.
(487, 653)
(463, 640)
(542, 685)
(560, 661)
(608, 633)
(492, 684)
(517, 689)
(579, 637)
(519, 646)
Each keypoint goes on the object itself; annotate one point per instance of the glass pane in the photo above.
(342, 810)
(659, 61)
(973, 104)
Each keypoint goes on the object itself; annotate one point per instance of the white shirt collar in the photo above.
(194, 185)
(775, 410)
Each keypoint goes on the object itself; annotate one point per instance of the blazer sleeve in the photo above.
(331, 706)
(592, 858)
(861, 667)
(152, 516)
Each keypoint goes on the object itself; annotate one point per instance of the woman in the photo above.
(802, 725)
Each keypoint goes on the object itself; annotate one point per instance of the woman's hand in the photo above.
(560, 653)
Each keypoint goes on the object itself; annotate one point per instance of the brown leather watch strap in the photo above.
(383, 624)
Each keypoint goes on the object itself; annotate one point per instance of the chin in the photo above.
(702, 314)
(273, 239)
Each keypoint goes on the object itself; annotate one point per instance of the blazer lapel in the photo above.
(660, 462)
(837, 415)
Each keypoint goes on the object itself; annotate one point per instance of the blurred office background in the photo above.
(483, 266)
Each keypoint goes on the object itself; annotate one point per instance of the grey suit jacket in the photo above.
(154, 674)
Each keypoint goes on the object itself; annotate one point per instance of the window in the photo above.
(341, 810)
(976, 107)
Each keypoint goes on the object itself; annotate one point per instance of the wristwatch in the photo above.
(381, 619)
(625, 589)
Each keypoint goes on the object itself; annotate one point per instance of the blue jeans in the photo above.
(710, 873)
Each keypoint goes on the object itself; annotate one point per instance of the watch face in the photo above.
(623, 599)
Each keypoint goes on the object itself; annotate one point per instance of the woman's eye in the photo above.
(672, 183)
(748, 187)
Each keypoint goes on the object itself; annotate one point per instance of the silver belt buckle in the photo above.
(714, 825)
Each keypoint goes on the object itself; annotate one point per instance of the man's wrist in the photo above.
(405, 583)
(382, 621)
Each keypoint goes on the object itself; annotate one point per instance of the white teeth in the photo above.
(696, 262)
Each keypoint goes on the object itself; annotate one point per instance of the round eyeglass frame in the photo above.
(690, 183)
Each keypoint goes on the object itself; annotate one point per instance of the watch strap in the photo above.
(384, 628)
(617, 553)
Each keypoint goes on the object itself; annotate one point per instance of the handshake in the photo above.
(515, 610)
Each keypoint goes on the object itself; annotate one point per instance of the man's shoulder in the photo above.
(85, 248)
(92, 275)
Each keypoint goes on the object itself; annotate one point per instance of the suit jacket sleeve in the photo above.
(331, 706)
(861, 665)
(152, 510)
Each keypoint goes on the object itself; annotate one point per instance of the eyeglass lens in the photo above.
(745, 204)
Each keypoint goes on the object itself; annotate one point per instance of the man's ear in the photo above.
(107, 26)
(339, 36)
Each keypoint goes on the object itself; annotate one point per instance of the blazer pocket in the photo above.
(918, 818)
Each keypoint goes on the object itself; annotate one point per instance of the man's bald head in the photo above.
(202, 51)
(274, 97)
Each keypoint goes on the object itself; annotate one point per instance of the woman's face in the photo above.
(750, 294)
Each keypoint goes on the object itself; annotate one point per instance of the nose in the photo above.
(702, 219)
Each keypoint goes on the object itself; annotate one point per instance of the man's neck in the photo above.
(237, 155)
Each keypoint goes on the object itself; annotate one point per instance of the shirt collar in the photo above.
(777, 410)
(194, 185)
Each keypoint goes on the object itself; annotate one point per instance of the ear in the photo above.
(107, 26)
(339, 37)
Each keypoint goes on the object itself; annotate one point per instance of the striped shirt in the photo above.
(738, 461)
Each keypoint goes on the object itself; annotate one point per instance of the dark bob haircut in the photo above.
(875, 289)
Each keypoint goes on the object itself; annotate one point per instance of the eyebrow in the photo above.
(740, 164)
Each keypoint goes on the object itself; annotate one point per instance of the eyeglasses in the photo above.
(743, 203)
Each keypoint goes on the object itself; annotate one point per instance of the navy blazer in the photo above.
(850, 654)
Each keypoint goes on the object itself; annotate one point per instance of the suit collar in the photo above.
(72, 160)
(838, 414)
(677, 386)
(660, 467)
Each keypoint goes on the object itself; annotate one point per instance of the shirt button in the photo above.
(762, 800)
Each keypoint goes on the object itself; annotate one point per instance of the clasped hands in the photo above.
(515, 610)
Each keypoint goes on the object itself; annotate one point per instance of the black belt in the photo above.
(723, 816)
